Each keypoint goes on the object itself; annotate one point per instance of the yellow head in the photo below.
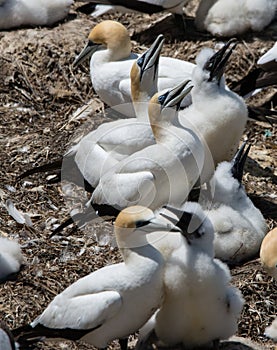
(113, 35)
(268, 253)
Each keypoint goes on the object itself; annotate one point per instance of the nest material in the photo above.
(39, 92)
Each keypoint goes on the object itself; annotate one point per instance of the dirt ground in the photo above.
(39, 93)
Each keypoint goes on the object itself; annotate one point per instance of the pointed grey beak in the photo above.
(87, 51)
(173, 97)
(150, 58)
(238, 162)
(216, 64)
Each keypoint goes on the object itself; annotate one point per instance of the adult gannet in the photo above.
(260, 77)
(102, 148)
(268, 255)
(114, 301)
(217, 115)
(146, 6)
(161, 173)
(230, 18)
(199, 305)
(109, 46)
(239, 226)
(16, 13)
(11, 258)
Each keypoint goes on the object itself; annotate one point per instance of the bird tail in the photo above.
(26, 337)
(56, 165)
(262, 114)
(104, 211)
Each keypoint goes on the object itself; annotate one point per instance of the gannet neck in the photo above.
(115, 37)
(160, 120)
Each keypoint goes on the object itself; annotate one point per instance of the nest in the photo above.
(39, 94)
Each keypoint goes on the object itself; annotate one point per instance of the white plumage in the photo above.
(10, 257)
(217, 115)
(6, 338)
(111, 142)
(239, 226)
(173, 6)
(16, 13)
(111, 60)
(116, 300)
(199, 306)
(230, 18)
(268, 61)
(161, 173)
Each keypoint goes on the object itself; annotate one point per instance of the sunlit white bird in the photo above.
(239, 226)
(102, 148)
(268, 255)
(229, 18)
(146, 6)
(217, 115)
(200, 306)
(114, 301)
(11, 258)
(109, 47)
(161, 173)
(17, 13)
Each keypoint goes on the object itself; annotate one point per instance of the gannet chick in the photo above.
(230, 18)
(217, 115)
(114, 301)
(161, 173)
(200, 306)
(109, 47)
(239, 226)
(268, 255)
(17, 13)
(11, 258)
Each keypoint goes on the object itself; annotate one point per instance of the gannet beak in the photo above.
(151, 57)
(184, 220)
(238, 162)
(216, 64)
(173, 97)
(87, 51)
(160, 224)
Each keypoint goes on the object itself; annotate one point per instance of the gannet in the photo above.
(230, 18)
(199, 306)
(161, 173)
(268, 255)
(17, 13)
(239, 226)
(217, 115)
(102, 148)
(145, 6)
(109, 46)
(114, 301)
(260, 77)
(11, 258)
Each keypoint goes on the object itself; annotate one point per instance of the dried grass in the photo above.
(39, 92)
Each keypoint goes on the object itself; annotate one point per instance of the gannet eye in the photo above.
(162, 98)
(140, 61)
(141, 223)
